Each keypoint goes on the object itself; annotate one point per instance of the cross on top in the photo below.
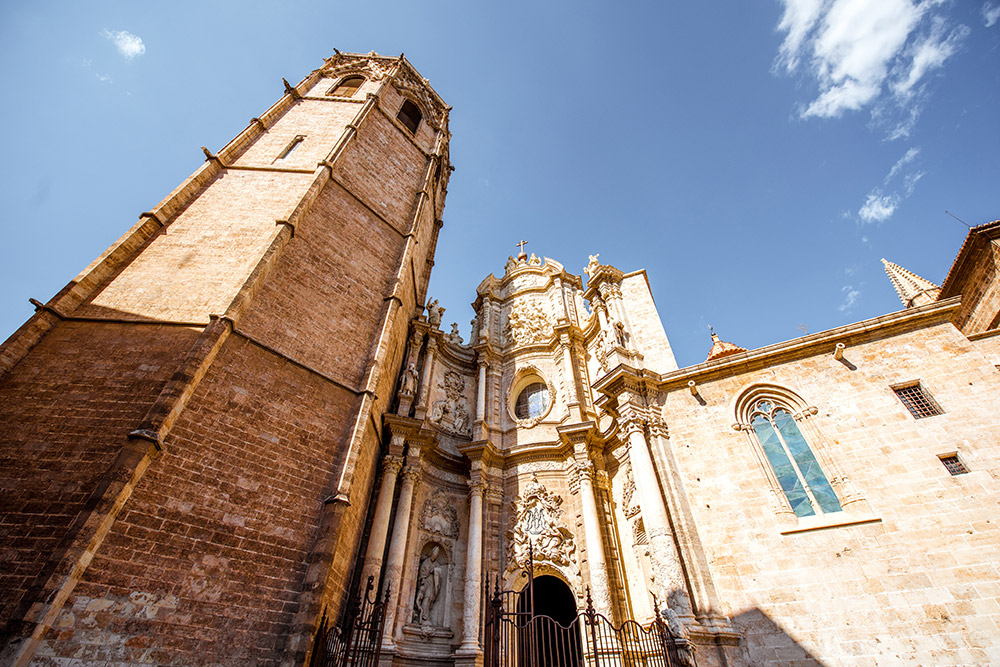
(521, 246)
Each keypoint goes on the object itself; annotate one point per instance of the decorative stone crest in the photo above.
(439, 516)
(537, 522)
(527, 323)
(452, 412)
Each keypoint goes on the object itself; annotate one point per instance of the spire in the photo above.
(721, 348)
(911, 288)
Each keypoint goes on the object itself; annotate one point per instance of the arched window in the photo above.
(799, 474)
(409, 115)
(347, 87)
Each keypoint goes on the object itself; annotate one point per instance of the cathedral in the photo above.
(247, 409)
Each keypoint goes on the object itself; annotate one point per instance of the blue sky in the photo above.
(757, 159)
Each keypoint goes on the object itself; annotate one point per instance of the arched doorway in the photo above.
(549, 633)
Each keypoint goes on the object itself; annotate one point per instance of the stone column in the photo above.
(481, 391)
(425, 378)
(595, 545)
(669, 576)
(473, 571)
(380, 524)
(397, 546)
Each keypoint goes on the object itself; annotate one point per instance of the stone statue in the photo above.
(592, 266)
(454, 337)
(408, 385)
(511, 263)
(434, 313)
(534, 261)
(681, 635)
(429, 580)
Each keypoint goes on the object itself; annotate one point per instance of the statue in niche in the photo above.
(434, 313)
(621, 336)
(430, 580)
(408, 385)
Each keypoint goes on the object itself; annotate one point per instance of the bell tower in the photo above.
(190, 426)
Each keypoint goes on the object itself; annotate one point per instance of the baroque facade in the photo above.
(247, 407)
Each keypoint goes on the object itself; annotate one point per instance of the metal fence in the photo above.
(356, 642)
(515, 636)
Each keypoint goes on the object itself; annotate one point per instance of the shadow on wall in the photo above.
(764, 642)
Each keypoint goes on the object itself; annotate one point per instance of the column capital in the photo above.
(631, 422)
(391, 464)
(411, 472)
(477, 487)
(658, 427)
(583, 471)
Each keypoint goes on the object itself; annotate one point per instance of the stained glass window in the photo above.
(533, 401)
(799, 474)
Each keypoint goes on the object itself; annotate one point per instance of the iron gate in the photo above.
(358, 639)
(514, 636)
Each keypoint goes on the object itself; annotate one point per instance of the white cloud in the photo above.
(883, 200)
(861, 51)
(103, 77)
(991, 13)
(128, 45)
(908, 157)
(851, 297)
(878, 207)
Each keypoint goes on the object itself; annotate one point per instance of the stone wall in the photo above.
(913, 579)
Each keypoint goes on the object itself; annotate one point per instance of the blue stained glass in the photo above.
(806, 460)
(783, 469)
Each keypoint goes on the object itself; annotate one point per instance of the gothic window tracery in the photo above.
(798, 472)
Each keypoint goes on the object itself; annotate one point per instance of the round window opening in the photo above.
(532, 402)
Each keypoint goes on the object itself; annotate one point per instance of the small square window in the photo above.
(953, 464)
(917, 400)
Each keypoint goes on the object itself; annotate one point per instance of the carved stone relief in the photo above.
(439, 516)
(630, 507)
(527, 323)
(452, 412)
(537, 521)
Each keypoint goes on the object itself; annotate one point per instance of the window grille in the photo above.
(917, 401)
(953, 465)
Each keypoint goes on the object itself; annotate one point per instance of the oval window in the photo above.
(532, 402)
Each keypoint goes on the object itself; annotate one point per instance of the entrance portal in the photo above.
(550, 634)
